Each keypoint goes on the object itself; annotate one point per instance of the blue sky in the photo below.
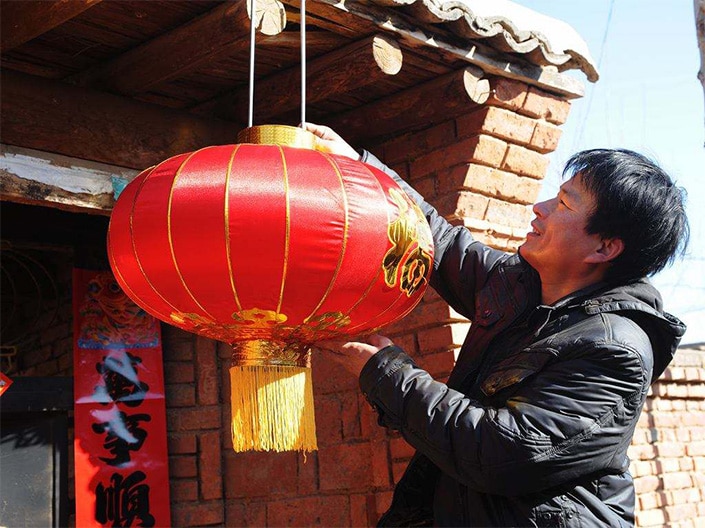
(648, 99)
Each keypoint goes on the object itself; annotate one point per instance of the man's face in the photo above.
(558, 243)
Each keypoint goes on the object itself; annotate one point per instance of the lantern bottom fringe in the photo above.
(272, 408)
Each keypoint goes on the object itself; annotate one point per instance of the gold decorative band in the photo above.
(263, 352)
(282, 135)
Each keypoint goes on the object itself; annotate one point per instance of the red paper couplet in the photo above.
(121, 460)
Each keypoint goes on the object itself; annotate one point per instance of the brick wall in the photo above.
(668, 450)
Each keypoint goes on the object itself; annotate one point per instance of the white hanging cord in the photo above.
(303, 63)
(250, 119)
(252, 64)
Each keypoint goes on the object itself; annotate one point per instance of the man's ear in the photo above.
(607, 250)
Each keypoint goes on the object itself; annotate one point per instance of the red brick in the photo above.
(413, 145)
(183, 467)
(508, 93)
(642, 452)
(370, 428)
(520, 160)
(640, 468)
(329, 377)
(326, 511)
(647, 483)
(401, 449)
(241, 513)
(178, 372)
(179, 395)
(482, 149)
(210, 466)
(350, 414)
(671, 449)
(491, 182)
(406, 341)
(508, 214)
(329, 427)
(497, 122)
(207, 371)
(181, 443)
(652, 500)
(259, 474)
(398, 469)
(183, 490)
(177, 344)
(438, 365)
(344, 467)
(650, 518)
(307, 476)
(680, 512)
(191, 418)
(197, 513)
(678, 480)
(383, 502)
(462, 204)
(426, 187)
(547, 106)
(358, 510)
(546, 136)
(695, 449)
(381, 476)
(402, 169)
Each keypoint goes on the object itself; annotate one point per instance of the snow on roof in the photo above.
(509, 27)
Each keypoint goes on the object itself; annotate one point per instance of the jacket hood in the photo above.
(641, 302)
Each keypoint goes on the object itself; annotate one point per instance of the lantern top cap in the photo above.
(283, 135)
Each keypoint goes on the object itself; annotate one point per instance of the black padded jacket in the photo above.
(533, 426)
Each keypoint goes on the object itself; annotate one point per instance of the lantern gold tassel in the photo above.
(272, 408)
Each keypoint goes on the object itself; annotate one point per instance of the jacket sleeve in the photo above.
(572, 418)
(461, 264)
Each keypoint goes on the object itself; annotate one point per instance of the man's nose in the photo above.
(541, 208)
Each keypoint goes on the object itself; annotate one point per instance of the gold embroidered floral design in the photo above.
(411, 247)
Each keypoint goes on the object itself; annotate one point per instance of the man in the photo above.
(533, 425)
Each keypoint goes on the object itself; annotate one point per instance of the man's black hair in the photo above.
(637, 202)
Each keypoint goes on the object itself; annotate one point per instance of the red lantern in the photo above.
(270, 248)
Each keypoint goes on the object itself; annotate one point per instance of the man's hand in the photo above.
(327, 140)
(354, 354)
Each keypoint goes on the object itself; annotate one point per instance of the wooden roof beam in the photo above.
(207, 38)
(426, 37)
(21, 21)
(358, 64)
(453, 94)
